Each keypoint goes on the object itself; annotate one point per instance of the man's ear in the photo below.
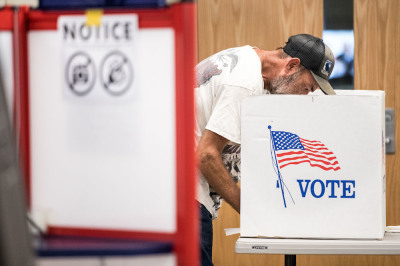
(292, 65)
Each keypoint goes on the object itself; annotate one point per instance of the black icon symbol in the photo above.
(80, 73)
(116, 73)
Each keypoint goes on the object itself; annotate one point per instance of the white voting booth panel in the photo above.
(314, 166)
(103, 155)
(6, 68)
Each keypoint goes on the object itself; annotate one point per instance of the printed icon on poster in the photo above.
(116, 73)
(80, 73)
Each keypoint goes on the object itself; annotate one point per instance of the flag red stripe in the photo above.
(313, 144)
(319, 155)
(315, 165)
(306, 157)
(312, 141)
(315, 148)
(282, 154)
(320, 152)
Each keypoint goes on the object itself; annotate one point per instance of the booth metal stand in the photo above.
(389, 245)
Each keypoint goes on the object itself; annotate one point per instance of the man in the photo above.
(303, 65)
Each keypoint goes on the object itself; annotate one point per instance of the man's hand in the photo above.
(210, 163)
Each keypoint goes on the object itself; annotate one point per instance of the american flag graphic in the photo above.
(291, 149)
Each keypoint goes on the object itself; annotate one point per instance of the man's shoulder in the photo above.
(238, 66)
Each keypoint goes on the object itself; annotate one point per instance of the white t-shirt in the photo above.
(223, 80)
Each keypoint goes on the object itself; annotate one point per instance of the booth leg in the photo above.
(290, 260)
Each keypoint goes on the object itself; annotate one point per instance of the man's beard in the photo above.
(285, 85)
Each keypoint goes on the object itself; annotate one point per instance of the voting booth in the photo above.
(105, 121)
(314, 166)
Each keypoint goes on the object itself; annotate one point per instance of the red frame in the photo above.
(181, 17)
(6, 21)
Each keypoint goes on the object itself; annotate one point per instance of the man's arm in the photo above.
(210, 163)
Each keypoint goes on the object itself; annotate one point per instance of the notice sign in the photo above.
(98, 60)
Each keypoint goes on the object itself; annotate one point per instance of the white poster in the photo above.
(102, 113)
(99, 61)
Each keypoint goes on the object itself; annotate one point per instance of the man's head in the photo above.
(314, 55)
(305, 64)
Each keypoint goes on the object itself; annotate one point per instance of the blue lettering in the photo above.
(322, 188)
(303, 191)
(347, 188)
(332, 183)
